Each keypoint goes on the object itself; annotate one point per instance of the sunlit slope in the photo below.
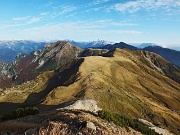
(125, 84)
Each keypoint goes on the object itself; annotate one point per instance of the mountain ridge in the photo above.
(171, 55)
(120, 80)
(27, 46)
(27, 67)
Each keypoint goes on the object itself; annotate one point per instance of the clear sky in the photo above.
(130, 21)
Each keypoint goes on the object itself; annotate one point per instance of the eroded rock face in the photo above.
(86, 104)
(157, 129)
(169, 54)
(25, 67)
(162, 66)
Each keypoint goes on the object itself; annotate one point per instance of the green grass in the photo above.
(126, 122)
(20, 112)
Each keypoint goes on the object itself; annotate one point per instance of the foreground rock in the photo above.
(63, 122)
(86, 104)
(157, 129)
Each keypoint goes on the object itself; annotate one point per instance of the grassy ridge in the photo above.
(126, 83)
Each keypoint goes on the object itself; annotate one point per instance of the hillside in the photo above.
(130, 83)
(93, 52)
(171, 55)
(120, 45)
(26, 67)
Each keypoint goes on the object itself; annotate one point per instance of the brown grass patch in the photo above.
(16, 126)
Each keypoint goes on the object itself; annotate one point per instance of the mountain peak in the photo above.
(143, 45)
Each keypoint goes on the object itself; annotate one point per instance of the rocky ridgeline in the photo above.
(27, 67)
(53, 56)
(9, 70)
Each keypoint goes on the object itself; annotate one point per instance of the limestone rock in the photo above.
(86, 104)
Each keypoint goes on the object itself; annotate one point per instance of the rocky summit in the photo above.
(26, 67)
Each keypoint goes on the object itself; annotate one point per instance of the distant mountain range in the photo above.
(120, 45)
(169, 54)
(143, 45)
(90, 44)
(10, 49)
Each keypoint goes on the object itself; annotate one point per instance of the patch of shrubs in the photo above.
(20, 112)
(126, 122)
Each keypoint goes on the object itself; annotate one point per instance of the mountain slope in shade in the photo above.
(93, 52)
(143, 45)
(162, 65)
(26, 67)
(171, 55)
(129, 82)
(120, 45)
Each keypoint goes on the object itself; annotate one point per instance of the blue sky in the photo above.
(130, 21)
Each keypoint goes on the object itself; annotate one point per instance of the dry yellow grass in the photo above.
(127, 86)
(16, 126)
(124, 84)
(63, 122)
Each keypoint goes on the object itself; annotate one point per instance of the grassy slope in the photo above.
(126, 85)
(121, 83)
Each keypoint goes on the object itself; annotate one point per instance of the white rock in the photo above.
(91, 125)
(30, 131)
(161, 131)
(86, 104)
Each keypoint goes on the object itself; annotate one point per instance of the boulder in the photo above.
(86, 104)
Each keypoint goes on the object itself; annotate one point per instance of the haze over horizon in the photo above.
(131, 21)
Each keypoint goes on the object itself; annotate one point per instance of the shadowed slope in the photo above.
(51, 57)
(171, 55)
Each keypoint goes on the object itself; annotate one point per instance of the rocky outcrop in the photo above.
(71, 122)
(157, 129)
(86, 104)
(169, 54)
(25, 67)
(162, 66)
